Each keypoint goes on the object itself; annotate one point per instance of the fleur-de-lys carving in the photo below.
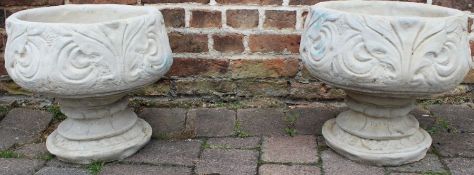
(383, 53)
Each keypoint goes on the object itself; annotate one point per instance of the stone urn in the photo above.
(88, 57)
(384, 54)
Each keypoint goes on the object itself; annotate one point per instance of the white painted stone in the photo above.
(384, 54)
(89, 57)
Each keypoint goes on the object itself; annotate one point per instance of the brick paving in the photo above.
(268, 151)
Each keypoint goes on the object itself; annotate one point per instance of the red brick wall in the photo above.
(229, 47)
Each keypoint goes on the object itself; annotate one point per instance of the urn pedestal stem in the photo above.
(378, 130)
(98, 129)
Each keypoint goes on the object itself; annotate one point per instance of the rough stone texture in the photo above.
(277, 88)
(256, 2)
(61, 164)
(231, 162)
(263, 68)
(424, 117)
(430, 163)
(19, 166)
(273, 169)
(175, 1)
(335, 164)
(297, 149)
(103, 1)
(458, 116)
(160, 88)
(61, 171)
(22, 125)
(173, 17)
(168, 152)
(32, 151)
(274, 43)
(193, 43)
(460, 166)
(257, 121)
(205, 19)
(186, 67)
(450, 145)
(165, 121)
(242, 18)
(230, 43)
(311, 120)
(212, 122)
(234, 143)
(280, 19)
(117, 169)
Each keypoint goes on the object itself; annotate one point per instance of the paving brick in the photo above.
(229, 43)
(258, 121)
(273, 169)
(311, 120)
(165, 121)
(231, 162)
(19, 166)
(430, 163)
(191, 43)
(205, 19)
(460, 166)
(234, 143)
(22, 125)
(212, 122)
(242, 18)
(451, 145)
(297, 149)
(103, 1)
(458, 116)
(272, 43)
(118, 169)
(334, 164)
(173, 17)
(187, 67)
(264, 68)
(168, 152)
(32, 151)
(279, 19)
(175, 1)
(61, 171)
(60, 164)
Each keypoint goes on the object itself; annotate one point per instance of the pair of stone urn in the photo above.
(384, 54)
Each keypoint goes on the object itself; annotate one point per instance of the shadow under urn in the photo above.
(384, 54)
(88, 57)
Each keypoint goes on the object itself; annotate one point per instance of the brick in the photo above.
(274, 169)
(262, 121)
(2, 19)
(33, 151)
(232, 162)
(30, 2)
(430, 163)
(19, 166)
(61, 171)
(311, 120)
(242, 18)
(173, 17)
(165, 121)
(205, 19)
(103, 1)
(275, 88)
(212, 122)
(119, 169)
(168, 152)
(195, 67)
(460, 166)
(274, 43)
(454, 144)
(297, 149)
(3, 71)
(470, 76)
(264, 68)
(280, 19)
(458, 116)
(228, 43)
(305, 2)
(193, 43)
(254, 2)
(176, 1)
(234, 143)
(160, 88)
(335, 164)
(457, 4)
(314, 90)
(3, 41)
(205, 87)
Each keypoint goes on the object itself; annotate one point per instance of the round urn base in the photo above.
(98, 129)
(378, 131)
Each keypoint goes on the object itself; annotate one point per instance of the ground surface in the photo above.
(23, 131)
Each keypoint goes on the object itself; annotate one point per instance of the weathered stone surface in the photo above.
(424, 117)
(273, 169)
(61, 171)
(451, 145)
(168, 152)
(19, 166)
(165, 121)
(231, 162)
(335, 164)
(311, 120)
(258, 121)
(430, 163)
(298, 149)
(458, 116)
(460, 166)
(21, 126)
(35, 150)
(117, 169)
(234, 143)
(205, 87)
(212, 121)
(249, 88)
(314, 90)
(61, 164)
